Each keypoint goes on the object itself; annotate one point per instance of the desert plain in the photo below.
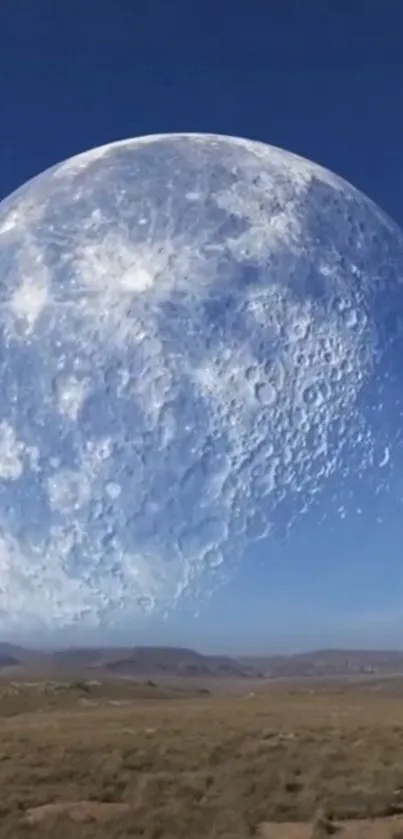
(100, 756)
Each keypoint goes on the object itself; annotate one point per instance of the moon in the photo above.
(198, 335)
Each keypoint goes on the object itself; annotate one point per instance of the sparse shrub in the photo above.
(293, 786)
(80, 686)
(324, 825)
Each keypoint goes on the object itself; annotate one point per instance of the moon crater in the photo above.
(193, 340)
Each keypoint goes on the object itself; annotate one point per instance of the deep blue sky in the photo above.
(322, 79)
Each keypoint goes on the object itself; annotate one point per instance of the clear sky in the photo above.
(321, 79)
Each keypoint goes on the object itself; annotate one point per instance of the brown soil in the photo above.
(388, 828)
(78, 811)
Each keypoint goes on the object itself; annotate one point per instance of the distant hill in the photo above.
(157, 662)
(322, 663)
(19, 653)
(128, 662)
(150, 661)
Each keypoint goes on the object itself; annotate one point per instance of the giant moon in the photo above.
(199, 335)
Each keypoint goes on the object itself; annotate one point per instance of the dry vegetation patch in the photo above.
(388, 828)
(163, 764)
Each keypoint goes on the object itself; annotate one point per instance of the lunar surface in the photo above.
(198, 335)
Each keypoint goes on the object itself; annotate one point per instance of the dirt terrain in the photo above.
(94, 760)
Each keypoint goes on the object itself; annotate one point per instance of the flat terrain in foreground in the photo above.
(103, 761)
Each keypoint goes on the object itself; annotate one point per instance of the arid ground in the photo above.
(120, 759)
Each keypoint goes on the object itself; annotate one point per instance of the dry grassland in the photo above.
(123, 760)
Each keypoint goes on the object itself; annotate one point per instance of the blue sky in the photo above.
(323, 80)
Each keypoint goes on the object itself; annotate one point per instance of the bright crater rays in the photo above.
(197, 334)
